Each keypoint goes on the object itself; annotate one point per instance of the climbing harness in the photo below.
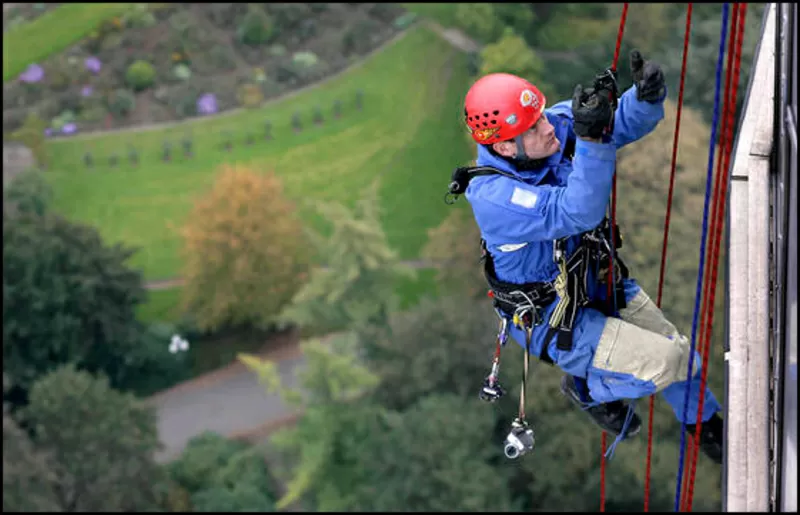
(523, 304)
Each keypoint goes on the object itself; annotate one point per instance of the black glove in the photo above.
(648, 78)
(591, 112)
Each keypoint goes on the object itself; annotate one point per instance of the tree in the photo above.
(334, 384)
(703, 53)
(454, 249)
(244, 251)
(442, 345)
(479, 21)
(67, 297)
(28, 483)
(27, 193)
(436, 456)
(223, 475)
(102, 442)
(352, 454)
(27, 473)
(357, 285)
(510, 54)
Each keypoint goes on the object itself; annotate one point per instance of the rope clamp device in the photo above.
(491, 389)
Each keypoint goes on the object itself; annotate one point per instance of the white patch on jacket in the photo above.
(524, 198)
(510, 247)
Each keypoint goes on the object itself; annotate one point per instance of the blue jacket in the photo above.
(520, 220)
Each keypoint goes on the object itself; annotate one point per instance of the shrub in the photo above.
(256, 28)
(277, 50)
(184, 103)
(139, 17)
(66, 117)
(180, 21)
(182, 72)
(59, 79)
(121, 102)
(249, 95)
(305, 59)
(140, 75)
(222, 57)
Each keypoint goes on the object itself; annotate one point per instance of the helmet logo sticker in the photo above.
(485, 134)
(511, 119)
(526, 98)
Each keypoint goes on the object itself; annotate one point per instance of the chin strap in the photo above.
(521, 156)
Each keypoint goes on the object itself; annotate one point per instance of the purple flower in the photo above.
(34, 73)
(87, 91)
(207, 104)
(93, 64)
(69, 128)
(48, 132)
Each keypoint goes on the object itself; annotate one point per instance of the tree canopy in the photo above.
(244, 250)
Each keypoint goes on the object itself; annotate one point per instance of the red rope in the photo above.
(691, 452)
(619, 35)
(666, 238)
(610, 277)
(720, 191)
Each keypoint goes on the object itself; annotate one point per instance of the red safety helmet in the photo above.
(501, 106)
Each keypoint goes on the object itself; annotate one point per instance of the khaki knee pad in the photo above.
(648, 356)
(642, 311)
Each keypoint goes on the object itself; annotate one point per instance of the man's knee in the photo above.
(641, 311)
(646, 356)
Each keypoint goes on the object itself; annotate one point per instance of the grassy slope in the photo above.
(408, 132)
(51, 33)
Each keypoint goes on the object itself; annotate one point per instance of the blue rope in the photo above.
(698, 293)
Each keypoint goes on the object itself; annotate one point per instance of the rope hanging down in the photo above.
(707, 271)
(610, 281)
(715, 119)
(667, 217)
(720, 198)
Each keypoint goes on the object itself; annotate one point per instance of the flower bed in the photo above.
(166, 62)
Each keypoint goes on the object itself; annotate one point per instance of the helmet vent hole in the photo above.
(485, 124)
(494, 122)
(486, 115)
(496, 112)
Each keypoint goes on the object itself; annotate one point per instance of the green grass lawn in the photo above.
(409, 133)
(442, 13)
(51, 33)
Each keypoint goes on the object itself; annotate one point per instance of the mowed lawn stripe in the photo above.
(408, 132)
(53, 32)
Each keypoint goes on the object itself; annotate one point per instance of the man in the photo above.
(541, 212)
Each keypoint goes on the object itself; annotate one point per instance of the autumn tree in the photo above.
(245, 252)
(357, 283)
(101, 442)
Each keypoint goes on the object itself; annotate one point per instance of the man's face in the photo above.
(539, 141)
